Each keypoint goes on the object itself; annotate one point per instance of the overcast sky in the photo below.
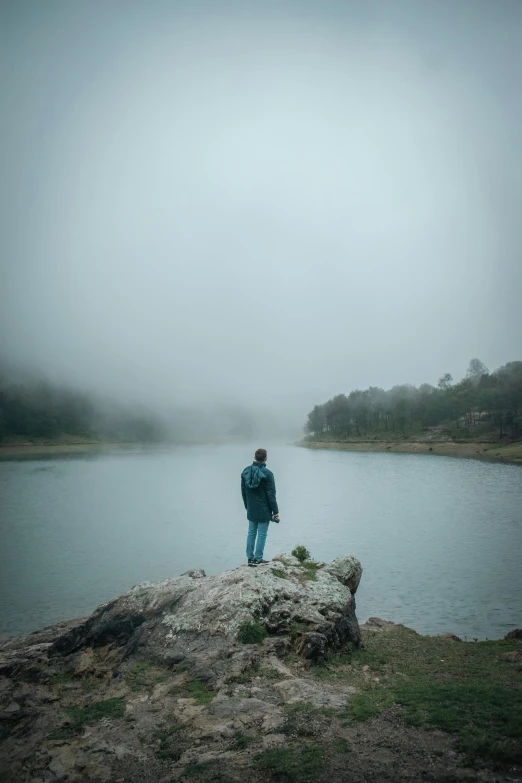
(260, 201)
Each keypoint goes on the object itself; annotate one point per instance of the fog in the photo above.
(259, 204)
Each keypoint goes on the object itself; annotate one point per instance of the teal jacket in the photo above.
(259, 492)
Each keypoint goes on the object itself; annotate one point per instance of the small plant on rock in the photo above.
(251, 633)
(301, 552)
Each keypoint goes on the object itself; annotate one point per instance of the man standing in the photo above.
(259, 496)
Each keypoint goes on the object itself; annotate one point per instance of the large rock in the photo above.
(347, 570)
(194, 619)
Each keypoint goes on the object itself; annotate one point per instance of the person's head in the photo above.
(260, 455)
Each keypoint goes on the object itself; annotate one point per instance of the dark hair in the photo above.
(260, 455)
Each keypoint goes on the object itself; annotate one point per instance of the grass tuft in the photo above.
(205, 771)
(296, 629)
(170, 738)
(305, 720)
(251, 633)
(280, 573)
(301, 764)
(341, 745)
(240, 741)
(309, 572)
(201, 693)
(144, 674)
(112, 709)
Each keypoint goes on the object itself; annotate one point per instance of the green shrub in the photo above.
(251, 633)
(301, 552)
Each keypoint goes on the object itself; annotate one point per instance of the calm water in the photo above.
(440, 539)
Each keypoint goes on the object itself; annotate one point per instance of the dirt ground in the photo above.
(279, 720)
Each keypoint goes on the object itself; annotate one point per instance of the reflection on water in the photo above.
(440, 539)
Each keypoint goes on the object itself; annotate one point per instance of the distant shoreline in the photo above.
(8, 450)
(29, 449)
(490, 452)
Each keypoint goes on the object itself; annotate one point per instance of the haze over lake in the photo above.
(440, 539)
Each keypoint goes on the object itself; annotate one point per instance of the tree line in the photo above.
(40, 410)
(480, 400)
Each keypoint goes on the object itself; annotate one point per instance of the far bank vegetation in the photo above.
(481, 405)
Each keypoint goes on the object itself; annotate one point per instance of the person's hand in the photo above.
(276, 517)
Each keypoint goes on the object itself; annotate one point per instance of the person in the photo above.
(259, 496)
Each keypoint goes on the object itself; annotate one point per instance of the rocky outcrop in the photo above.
(160, 649)
(196, 618)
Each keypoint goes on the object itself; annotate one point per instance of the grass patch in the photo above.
(368, 703)
(62, 678)
(171, 741)
(112, 709)
(308, 572)
(292, 764)
(251, 633)
(487, 717)
(248, 674)
(66, 678)
(323, 673)
(144, 674)
(240, 741)
(296, 629)
(466, 689)
(280, 573)
(341, 745)
(270, 674)
(305, 720)
(197, 690)
(205, 771)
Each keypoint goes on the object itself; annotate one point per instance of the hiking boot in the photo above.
(252, 562)
(262, 562)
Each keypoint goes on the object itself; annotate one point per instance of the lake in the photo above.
(439, 538)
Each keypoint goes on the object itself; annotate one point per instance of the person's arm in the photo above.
(243, 491)
(271, 494)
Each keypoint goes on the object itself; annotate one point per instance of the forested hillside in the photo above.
(482, 403)
(36, 410)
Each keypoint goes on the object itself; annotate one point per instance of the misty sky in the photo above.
(260, 201)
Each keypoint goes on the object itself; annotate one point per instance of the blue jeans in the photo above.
(259, 529)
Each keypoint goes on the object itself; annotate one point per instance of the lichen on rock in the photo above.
(172, 648)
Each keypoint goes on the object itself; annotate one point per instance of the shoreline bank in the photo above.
(489, 452)
(16, 450)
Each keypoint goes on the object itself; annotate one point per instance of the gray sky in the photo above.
(269, 202)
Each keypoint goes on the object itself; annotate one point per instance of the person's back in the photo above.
(259, 497)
